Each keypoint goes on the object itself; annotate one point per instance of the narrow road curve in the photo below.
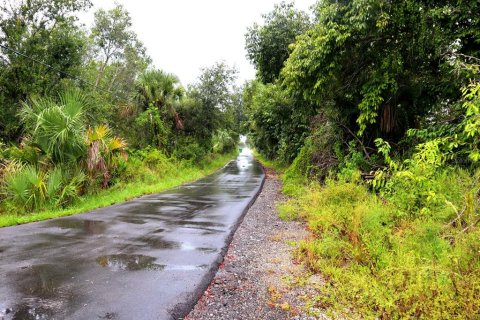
(149, 258)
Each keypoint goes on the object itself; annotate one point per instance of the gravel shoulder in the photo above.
(258, 278)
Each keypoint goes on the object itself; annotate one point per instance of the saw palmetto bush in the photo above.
(58, 127)
(27, 188)
(103, 152)
(49, 168)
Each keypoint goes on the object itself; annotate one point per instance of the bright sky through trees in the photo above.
(183, 36)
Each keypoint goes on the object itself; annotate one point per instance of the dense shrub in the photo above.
(28, 188)
(317, 158)
(224, 141)
(278, 125)
(189, 149)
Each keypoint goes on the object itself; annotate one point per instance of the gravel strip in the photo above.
(258, 278)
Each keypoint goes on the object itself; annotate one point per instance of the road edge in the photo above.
(182, 309)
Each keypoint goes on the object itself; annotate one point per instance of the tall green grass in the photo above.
(153, 174)
(410, 252)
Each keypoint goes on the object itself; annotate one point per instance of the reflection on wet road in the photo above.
(149, 258)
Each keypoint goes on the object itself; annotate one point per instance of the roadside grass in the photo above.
(276, 166)
(293, 184)
(146, 180)
(410, 251)
(387, 257)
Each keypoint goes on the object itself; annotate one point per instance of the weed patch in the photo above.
(396, 255)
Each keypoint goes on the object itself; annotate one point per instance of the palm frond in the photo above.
(116, 143)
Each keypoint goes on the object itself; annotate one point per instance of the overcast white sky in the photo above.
(183, 36)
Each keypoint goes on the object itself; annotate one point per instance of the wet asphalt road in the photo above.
(150, 258)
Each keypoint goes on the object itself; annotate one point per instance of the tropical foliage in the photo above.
(376, 112)
(84, 110)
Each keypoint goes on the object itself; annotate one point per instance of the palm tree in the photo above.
(101, 152)
(161, 89)
(57, 126)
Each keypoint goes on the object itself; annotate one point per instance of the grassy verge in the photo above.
(271, 164)
(157, 181)
(405, 253)
(410, 250)
(293, 184)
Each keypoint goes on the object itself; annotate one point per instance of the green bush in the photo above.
(25, 154)
(28, 188)
(154, 159)
(224, 141)
(58, 126)
(316, 159)
(189, 149)
(147, 165)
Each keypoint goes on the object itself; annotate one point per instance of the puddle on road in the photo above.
(159, 243)
(203, 231)
(42, 281)
(25, 312)
(193, 224)
(131, 219)
(88, 226)
(207, 250)
(206, 226)
(127, 262)
(187, 247)
(45, 291)
(140, 207)
(185, 267)
(190, 247)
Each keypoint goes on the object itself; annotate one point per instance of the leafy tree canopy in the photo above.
(267, 45)
(113, 38)
(209, 99)
(381, 64)
(40, 47)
